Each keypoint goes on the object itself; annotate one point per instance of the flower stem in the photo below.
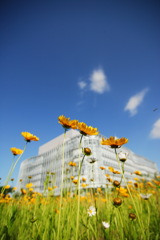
(12, 169)
(122, 172)
(78, 201)
(61, 193)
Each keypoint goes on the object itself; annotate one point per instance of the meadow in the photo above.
(128, 211)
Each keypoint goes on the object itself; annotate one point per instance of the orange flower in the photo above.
(138, 173)
(29, 137)
(16, 151)
(113, 142)
(84, 185)
(107, 175)
(83, 179)
(87, 130)
(111, 169)
(72, 164)
(23, 191)
(75, 181)
(116, 172)
(109, 180)
(67, 123)
(102, 168)
(29, 185)
(99, 190)
(136, 179)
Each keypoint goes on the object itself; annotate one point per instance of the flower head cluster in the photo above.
(29, 137)
(113, 142)
(91, 211)
(75, 124)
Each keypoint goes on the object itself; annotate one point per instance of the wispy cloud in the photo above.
(134, 102)
(82, 84)
(99, 82)
(155, 132)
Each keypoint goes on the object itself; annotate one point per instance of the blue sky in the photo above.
(94, 61)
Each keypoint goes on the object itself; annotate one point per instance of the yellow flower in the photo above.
(84, 185)
(15, 188)
(109, 180)
(116, 172)
(83, 179)
(138, 173)
(29, 137)
(111, 169)
(7, 187)
(102, 168)
(113, 142)
(67, 123)
(75, 181)
(16, 151)
(150, 184)
(99, 190)
(29, 185)
(23, 191)
(87, 130)
(136, 179)
(72, 177)
(72, 164)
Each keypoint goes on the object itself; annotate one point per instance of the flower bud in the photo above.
(122, 156)
(132, 216)
(116, 183)
(87, 151)
(117, 202)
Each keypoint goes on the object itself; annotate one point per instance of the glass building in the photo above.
(47, 165)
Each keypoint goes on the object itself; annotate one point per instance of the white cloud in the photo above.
(155, 132)
(134, 102)
(99, 83)
(82, 84)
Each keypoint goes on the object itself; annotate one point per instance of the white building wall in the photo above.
(49, 159)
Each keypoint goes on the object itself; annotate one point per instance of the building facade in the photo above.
(46, 168)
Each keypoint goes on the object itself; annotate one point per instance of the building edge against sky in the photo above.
(47, 166)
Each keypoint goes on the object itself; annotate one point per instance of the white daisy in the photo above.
(145, 196)
(105, 224)
(91, 211)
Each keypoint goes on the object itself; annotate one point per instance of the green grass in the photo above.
(36, 217)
